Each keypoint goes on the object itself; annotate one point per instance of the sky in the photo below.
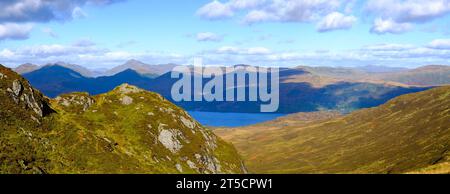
(107, 33)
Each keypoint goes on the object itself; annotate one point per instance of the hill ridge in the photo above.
(406, 134)
(126, 130)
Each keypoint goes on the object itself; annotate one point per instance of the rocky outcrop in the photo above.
(169, 139)
(127, 130)
(75, 101)
(22, 94)
(127, 89)
(126, 100)
(187, 122)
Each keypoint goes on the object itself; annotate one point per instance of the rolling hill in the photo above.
(126, 130)
(409, 134)
(431, 75)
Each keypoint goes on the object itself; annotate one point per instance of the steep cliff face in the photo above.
(127, 130)
(17, 94)
(22, 119)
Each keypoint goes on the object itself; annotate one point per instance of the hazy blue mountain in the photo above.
(55, 80)
(26, 68)
(77, 68)
(294, 97)
(142, 68)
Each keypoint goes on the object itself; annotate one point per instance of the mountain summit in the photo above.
(142, 68)
(126, 130)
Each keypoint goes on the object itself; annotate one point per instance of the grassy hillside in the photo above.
(127, 130)
(408, 134)
(432, 75)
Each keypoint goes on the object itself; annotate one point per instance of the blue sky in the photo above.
(105, 33)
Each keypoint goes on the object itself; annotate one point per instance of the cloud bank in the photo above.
(89, 54)
(388, 16)
(17, 16)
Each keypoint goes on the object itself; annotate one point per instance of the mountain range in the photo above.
(138, 66)
(408, 134)
(130, 130)
(301, 89)
(28, 67)
(125, 130)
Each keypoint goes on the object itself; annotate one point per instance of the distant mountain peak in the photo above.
(129, 71)
(126, 88)
(133, 61)
(77, 68)
(433, 67)
(60, 63)
(26, 68)
(141, 68)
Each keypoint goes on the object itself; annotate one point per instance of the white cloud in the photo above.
(208, 36)
(215, 10)
(380, 54)
(443, 44)
(245, 4)
(55, 50)
(270, 10)
(398, 16)
(292, 11)
(257, 16)
(335, 21)
(15, 31)
(17, 16)
(6, 53)
(405, 52)
(409, 11)
(242, 51)
(87, 55)
(391, 16)
(228, 50)
(389, 47)
(93, 56)
(382, 26)
(78, 13)
(44, 10)
(257, 11)
(258, 51)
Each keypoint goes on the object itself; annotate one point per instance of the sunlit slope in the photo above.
(409, 133)
(126, 130)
